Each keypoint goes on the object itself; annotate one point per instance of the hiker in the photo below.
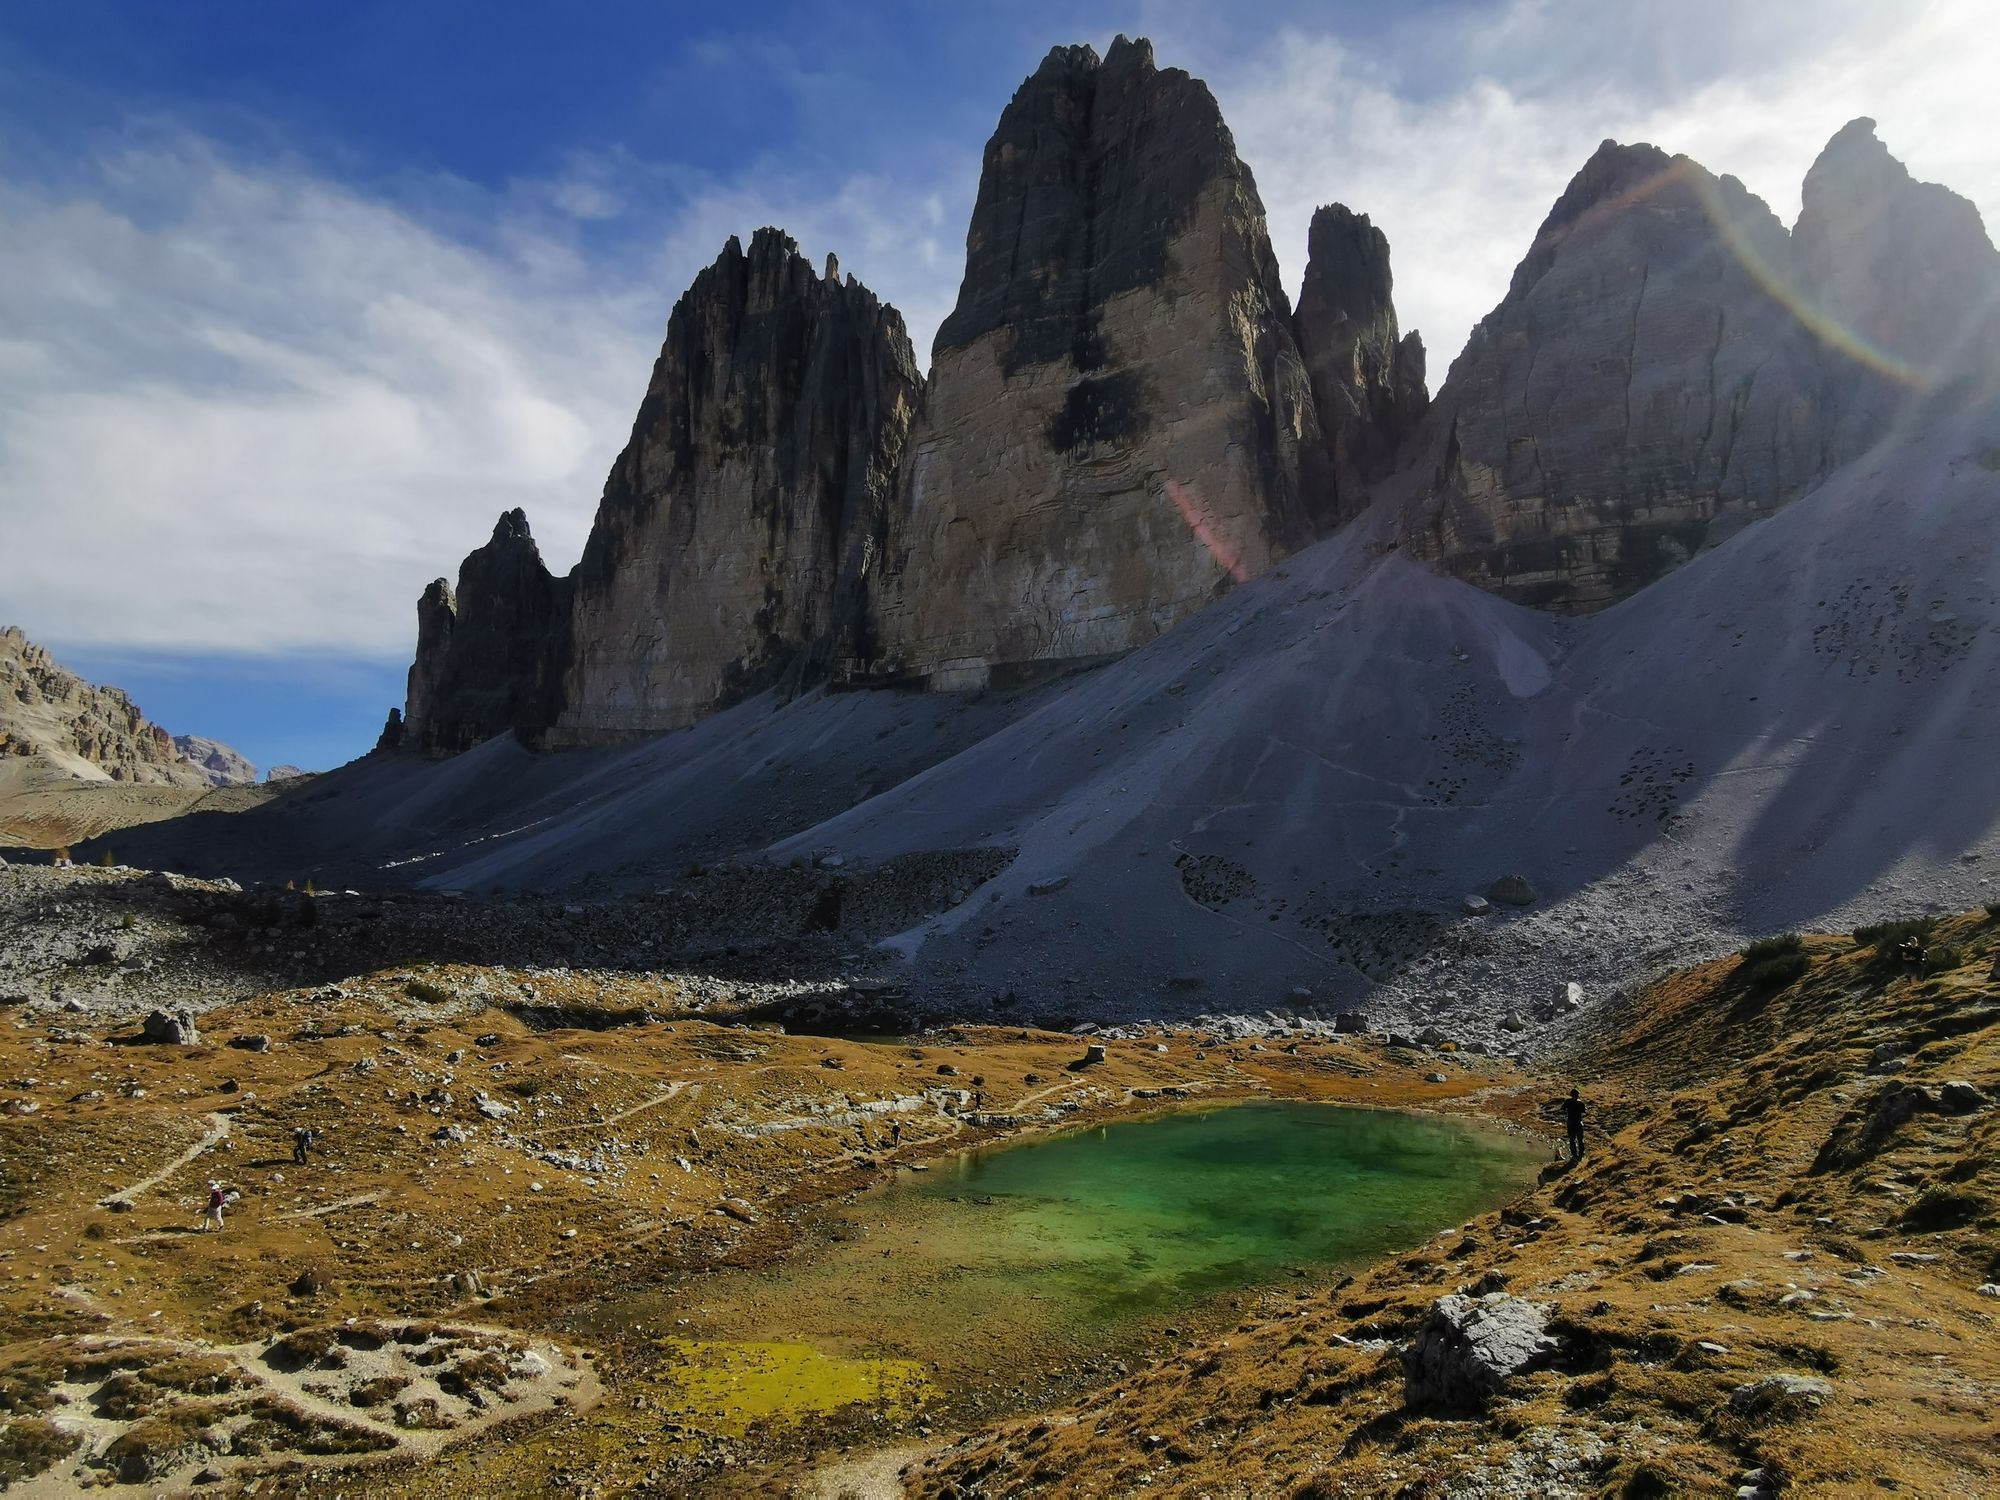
(1913, 951)
(1572, 1109)
(895, 1134)
(304, 1138)
(216, 1199)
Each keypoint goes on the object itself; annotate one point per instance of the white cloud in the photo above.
(247, 410)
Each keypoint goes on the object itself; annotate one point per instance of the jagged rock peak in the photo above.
(1094, 168)
(1669, 364)
(1367, 379)
(1118, 423)
(732, 545)
(487, 650)
(1569, 490)
(1616, 176)
(1900, 274)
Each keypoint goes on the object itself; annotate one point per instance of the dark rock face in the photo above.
(1118, 422)
(737, 532)
(487, 655)
(1669, 364)
(1367, 377)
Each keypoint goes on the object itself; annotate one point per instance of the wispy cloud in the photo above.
(245, 409)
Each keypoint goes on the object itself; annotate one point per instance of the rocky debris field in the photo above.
(119, 943)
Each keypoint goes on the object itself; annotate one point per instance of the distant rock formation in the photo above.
(1118, 424)
(1669, 363)
(488, 654)
(97, 733)
(740, 526)
(1902, 283)
(286, 773)
(1367, 377)
(222, 765)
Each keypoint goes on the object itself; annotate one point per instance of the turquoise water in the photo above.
(1155, 1214)
(1020, 1257)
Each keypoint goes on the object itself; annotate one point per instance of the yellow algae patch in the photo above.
(724, 1387)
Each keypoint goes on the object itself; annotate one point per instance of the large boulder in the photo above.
(1467, 1348)
(173, 1028)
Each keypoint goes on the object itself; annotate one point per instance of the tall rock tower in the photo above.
(737, 529)
(1118, 424)
(1367, 377)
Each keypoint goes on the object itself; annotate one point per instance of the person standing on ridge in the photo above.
(1572, 1109)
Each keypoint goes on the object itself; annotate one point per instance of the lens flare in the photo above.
(1777, 282)
(1226, 557)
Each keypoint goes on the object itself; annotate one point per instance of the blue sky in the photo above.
(295, 299)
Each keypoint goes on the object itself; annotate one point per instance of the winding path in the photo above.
(218, 1131)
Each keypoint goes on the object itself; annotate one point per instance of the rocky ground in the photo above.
(488, 1168)
(1778, 1254)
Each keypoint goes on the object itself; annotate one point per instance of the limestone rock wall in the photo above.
(1118, 423)
(739, 528)
(1367, 376)
(1900, 283)
(219, 763)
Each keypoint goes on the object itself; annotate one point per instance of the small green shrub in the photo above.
(429, 993)
(106, 860)
(1993, 909)
(1884, 937)
(1775, 972)
(525, 1088)
(1772, 947)
(1944, 1208)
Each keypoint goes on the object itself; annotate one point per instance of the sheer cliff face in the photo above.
(1367, 377)
(488, 655)
(1670, 363)
(740, 526)
(1118, 418)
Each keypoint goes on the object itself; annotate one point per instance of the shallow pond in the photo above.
(1006, 1267)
